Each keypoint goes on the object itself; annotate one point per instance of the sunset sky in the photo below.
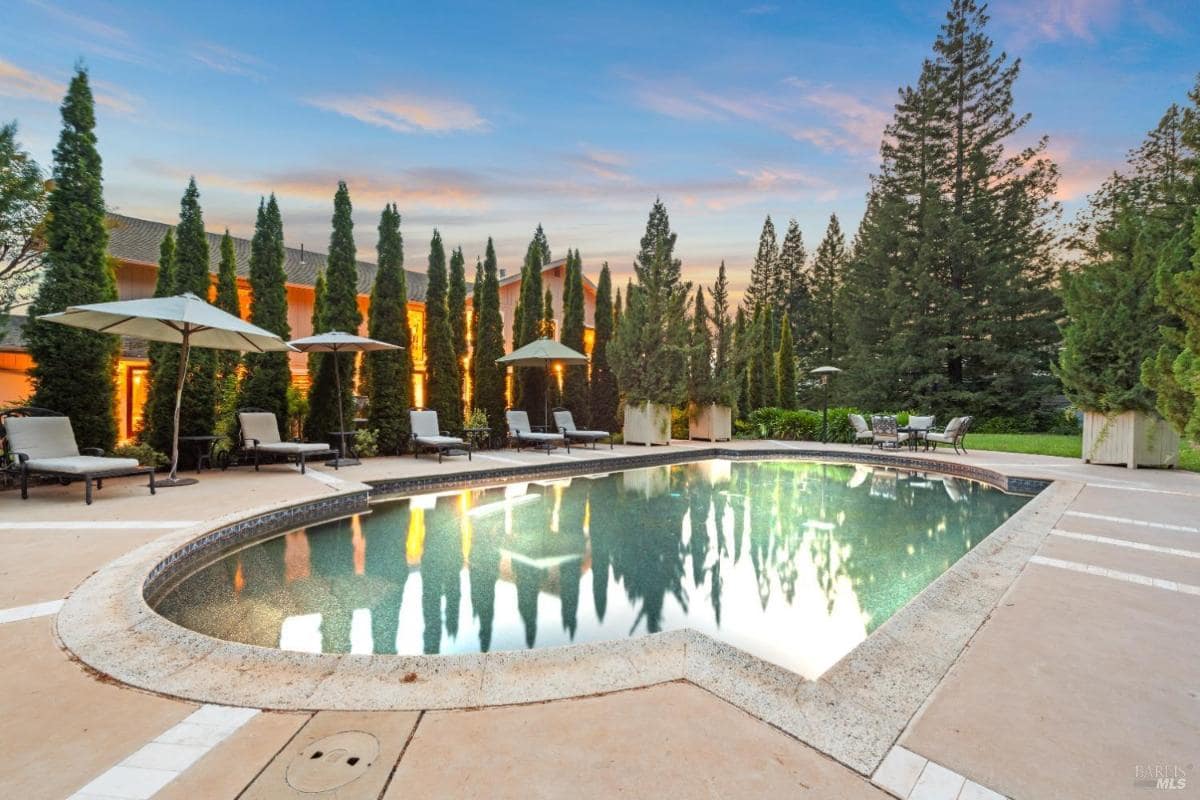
(486, 119)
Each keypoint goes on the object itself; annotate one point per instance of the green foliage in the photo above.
(785, 366)
(827, 269)
(727, 364)
(649, 351)
(23, 203)
(268, 376)
(441, 370)
(477, 418)
(146, 455)
(700, 366)
(456, 304)
(793, 291)
(340, 313)
(158, 413)
(390, 370)
(73, 371)
(489, 345)
(197, 409)
(527, 324)
(575, 378)
(366, 443)
(603, 389)
(227, 361)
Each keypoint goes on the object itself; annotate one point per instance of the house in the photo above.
(134, 244)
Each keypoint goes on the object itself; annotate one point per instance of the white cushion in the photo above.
(920, 423)
(260, 425)
(947, 438)
(863, 435)
(424, 423)
(80, 465)
(294, 448)
(540, 437)
(572, 432)
(41, 437)
(440, 441)
(860, 424)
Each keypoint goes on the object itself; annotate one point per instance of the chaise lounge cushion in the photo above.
(41, 437)
(426, 431)
(519, 428)
(295, 448)
(81, 465)
(439, 441)
(566, 423)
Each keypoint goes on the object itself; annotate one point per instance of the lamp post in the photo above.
(825, 372)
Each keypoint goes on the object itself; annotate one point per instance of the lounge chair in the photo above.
(919, 426)
(260, 436)
(955, 434)
(520, 432)
(885, 431)
(426, 435)
(41, 442)
(861, 431)
(565, 423)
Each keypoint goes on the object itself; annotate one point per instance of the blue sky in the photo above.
(484, 119)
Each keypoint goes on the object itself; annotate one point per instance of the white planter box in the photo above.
(1133, 438)
(712, 422)
(647, 424)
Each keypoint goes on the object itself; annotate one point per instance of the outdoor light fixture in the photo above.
(825, 372)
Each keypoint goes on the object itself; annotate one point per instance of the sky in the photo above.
(486, 119)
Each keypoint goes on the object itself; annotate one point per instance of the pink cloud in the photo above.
(22, 84)
(405, 113)
(1056, 20)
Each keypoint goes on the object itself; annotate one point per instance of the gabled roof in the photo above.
(138, 240)
(547, 267)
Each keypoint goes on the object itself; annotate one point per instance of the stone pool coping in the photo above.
(854, 712)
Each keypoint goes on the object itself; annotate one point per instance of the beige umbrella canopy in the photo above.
(183, 319)
(543, 353)
(340, 342)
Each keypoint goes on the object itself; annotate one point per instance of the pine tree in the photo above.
(700, 374)
(316, 321)
(543, 245)
(73, 368)
(743, 344)
(727, 363)
(603, 389)
(785, 366)
(340, 313)
(227, 361)
(441, 371)
(792, 290)
(198, 403)
(489, 345)
(456, 303)
(268, 375)
(548, 330)
(763, 274)
(390, 370)
(575, 378)
(476, 293)
(530, 383)
(827, 269)
(158, 412)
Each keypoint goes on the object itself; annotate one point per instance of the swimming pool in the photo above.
(795, 562)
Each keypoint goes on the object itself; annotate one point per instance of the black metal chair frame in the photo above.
(239, 450)
(585, 439)
(960, 438)
(442, 449)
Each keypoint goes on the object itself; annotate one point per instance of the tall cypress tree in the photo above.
(792, 290)
(827, 269)
(575, 378)
(341, 313)
(227, 361)
(476, 293)
(157, 414)
(764, 273)
(197, 409)
(531, 383)
(743, 343)
(268, 375)
(727, 362)
(785, 366)
(73, 371)
(456, 304)
(390, 370)
(603, 389)
(489, 345)
(543, 245)
(700, 375)
(442, 377)
(316, 321)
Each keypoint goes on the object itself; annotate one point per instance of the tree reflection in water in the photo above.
(832, 551)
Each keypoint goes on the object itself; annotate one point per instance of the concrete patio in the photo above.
(1081, 683)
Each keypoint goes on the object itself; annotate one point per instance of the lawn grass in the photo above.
(1050, 444)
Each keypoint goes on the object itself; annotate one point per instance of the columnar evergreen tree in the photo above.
(954, 265)
(228, 362)
(728, 364)
(785, 366)
(603, 390)
(73, 371)
(530, 383)
(489, 345)
(476, 291)
(456, 304)
(543, 245)
(650, 350)
(387, 321)
(268, 375)
(197, 414)
(762, 390)
(157, 413)
(763, 274)
(341, 313)
(442, 381)
(700, 366)
(743, 340)
(548, 329)
(827, 269)
(575, 378)
(792, 289)
(316, 321)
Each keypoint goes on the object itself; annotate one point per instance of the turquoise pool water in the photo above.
(796, 562)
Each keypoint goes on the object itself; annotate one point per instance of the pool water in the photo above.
(795, 562)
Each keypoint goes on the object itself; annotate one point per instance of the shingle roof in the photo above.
(133, 239)
(549, 265)
(14, 339)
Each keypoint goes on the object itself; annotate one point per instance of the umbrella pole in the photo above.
(337, 377)
(185, 348)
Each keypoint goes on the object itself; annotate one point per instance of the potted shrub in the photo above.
(714, 371)
(1113, 328)
(650, 350)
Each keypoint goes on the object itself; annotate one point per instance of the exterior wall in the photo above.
(15, 386)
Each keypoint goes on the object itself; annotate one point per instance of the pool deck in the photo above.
(1081, 682)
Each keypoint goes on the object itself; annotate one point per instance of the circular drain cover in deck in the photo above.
(334, 761)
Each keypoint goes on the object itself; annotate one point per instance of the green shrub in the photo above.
(679, 423)
(146, 455)
(366, 443)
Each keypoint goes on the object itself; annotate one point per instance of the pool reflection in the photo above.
(795, 562)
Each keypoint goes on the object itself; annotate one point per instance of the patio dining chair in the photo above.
(955, 434)
(886, 432)
(919, 426)
(862, 432)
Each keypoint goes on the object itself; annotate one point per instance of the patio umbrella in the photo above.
(338, 342)
(183, 319)
(543, 353)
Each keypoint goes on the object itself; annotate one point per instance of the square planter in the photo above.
(711, 422)
(1133, 438)
(648, 423)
